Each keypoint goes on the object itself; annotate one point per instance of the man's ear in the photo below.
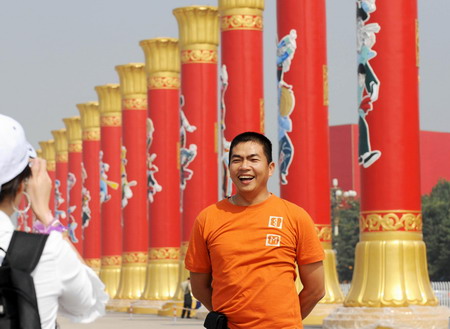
(271, 168)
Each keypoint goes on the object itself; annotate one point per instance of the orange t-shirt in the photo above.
(251, 254)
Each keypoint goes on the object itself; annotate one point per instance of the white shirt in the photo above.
(185, 285)
(61, 281)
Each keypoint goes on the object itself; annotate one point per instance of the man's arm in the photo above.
(201, 288)
(312, 278)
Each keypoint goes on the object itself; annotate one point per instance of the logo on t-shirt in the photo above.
(273, 240)
(276, 222)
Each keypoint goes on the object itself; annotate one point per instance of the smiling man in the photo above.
(243, 250)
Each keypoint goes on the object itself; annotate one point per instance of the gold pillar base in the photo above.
(319, 313)
(146, 306)
(333, 293)
(132, 280)
(162, 279)
(94, 264)
(183, 273)
(390, 271)
(110, 276)
(412, 317)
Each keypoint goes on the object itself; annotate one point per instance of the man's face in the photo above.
(249, 169)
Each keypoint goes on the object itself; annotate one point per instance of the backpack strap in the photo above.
(25, 250)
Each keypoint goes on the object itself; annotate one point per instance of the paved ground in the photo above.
(137, 321)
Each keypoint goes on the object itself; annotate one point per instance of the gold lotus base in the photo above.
(94, 264)
(183, 273)
(319, 313)
(174, 309)
(333, 293)
(132, 281)
(110, 275)
(146, 306)
(162, 279)
(390, 272)
(412, 317)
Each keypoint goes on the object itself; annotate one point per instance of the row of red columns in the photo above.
(169, 139)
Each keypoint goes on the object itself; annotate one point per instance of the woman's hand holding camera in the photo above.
(39, 188)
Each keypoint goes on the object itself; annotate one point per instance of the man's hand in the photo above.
(201, 288)
(312, 278)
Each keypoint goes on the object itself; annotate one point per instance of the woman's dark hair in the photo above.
(9, 190)
(251, 136)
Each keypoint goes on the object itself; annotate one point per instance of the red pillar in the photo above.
(61, 148)
(304, 164)
(110, 187)
(49, 154)
(163, 147)
(303, 107)
(391, 219)
(90, 124)
(74, 181)
(242, 74)
(133, 88)
(198, 34)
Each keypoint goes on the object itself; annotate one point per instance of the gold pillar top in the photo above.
(225, 5)
(161, 55)
(109, 99)
(48, 150)
(73, 126)
(39, 153)
(197, 25)
(60, 137)
(90, 115)
(132, 79)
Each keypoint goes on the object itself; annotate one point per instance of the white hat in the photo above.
(15, 151)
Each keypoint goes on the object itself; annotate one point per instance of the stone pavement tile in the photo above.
(138, 321)
(135, 321)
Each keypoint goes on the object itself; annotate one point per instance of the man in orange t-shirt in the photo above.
(243, 250)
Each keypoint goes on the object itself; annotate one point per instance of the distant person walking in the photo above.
(187, 305)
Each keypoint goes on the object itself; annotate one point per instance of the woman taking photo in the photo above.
(63, 283)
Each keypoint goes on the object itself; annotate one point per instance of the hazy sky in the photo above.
(53, 53)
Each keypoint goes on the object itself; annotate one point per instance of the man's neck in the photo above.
(248, 200)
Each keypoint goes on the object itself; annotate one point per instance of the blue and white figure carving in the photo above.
(85, 199)
(153, 186)
(368, 83)
(104, 182)
(286, 102)
(59, 200)
(127, 193)
(187, 153)
(227, 183)
(72, 223)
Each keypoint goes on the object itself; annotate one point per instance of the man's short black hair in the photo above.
(251, 136)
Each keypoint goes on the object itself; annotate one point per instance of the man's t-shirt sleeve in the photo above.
(197, 256)
(309, 248)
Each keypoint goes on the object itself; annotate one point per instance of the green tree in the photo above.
(436, 230)
(346, 214)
